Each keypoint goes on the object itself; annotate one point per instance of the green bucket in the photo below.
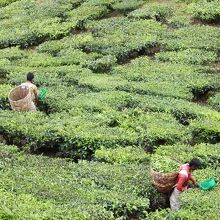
(41, 95)
(208, 184)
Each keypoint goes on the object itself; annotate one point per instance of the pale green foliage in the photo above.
(189, 56)
(122, 155)
(164, 164)
(156, 11)
(206, 10)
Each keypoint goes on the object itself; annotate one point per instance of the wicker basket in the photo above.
(20, 99)
(164, 182)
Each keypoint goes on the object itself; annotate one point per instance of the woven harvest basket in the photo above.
(164, 182)
(20, 98)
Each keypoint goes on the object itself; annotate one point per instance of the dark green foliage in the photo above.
(4, 92)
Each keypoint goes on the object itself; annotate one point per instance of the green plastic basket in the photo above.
(208, 184)
(42, 94)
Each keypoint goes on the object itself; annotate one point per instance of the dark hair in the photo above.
(195, 162)
(30, 76)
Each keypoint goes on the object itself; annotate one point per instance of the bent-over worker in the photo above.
(33, 90)
(183, 179)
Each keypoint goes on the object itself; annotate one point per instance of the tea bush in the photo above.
(118, 85)
(95, 82)
(205, 130)
(4, 92)
(122, 155)
(52, 21)
(49, 75)
(160, 12)
(189, 56)
(182, 110)
(89, 189)
(37, 32)
(215, 101)
(81, 136)
(4, 3)
(3, 67)
(13, 53)
(206, 10)
(175, 80)
(192, 37)
(127, 5)
(70, 42)
(179, 21)
(64, 57)
(121, 37)
(104, 101)
(85, 12)
(103, 64)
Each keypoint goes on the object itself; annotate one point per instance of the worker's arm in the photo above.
(181, 181)
(35, 94)
(194, 181)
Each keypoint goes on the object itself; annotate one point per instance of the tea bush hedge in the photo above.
(121, 37)
(4, 3)
(74, 41)
(192, 37)
(119, 84)
(4, 91)
(13, 53)
(122, 155)
(189, 56)
(127, 5)
(64, 57)
(205, 130)
(62, 189)
(206, 10)
(160, 12)
(180, 81)
(182, 110)
(81, 136)
(85, 12)
(179, 21)
(215, 101)
(52, 20)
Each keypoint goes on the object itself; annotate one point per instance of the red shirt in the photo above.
(184, 177)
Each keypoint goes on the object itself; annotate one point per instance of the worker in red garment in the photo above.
(183, 179)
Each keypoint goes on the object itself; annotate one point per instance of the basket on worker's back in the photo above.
(20, 98)
(164, 182)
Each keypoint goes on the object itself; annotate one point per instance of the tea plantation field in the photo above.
(131, 85)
